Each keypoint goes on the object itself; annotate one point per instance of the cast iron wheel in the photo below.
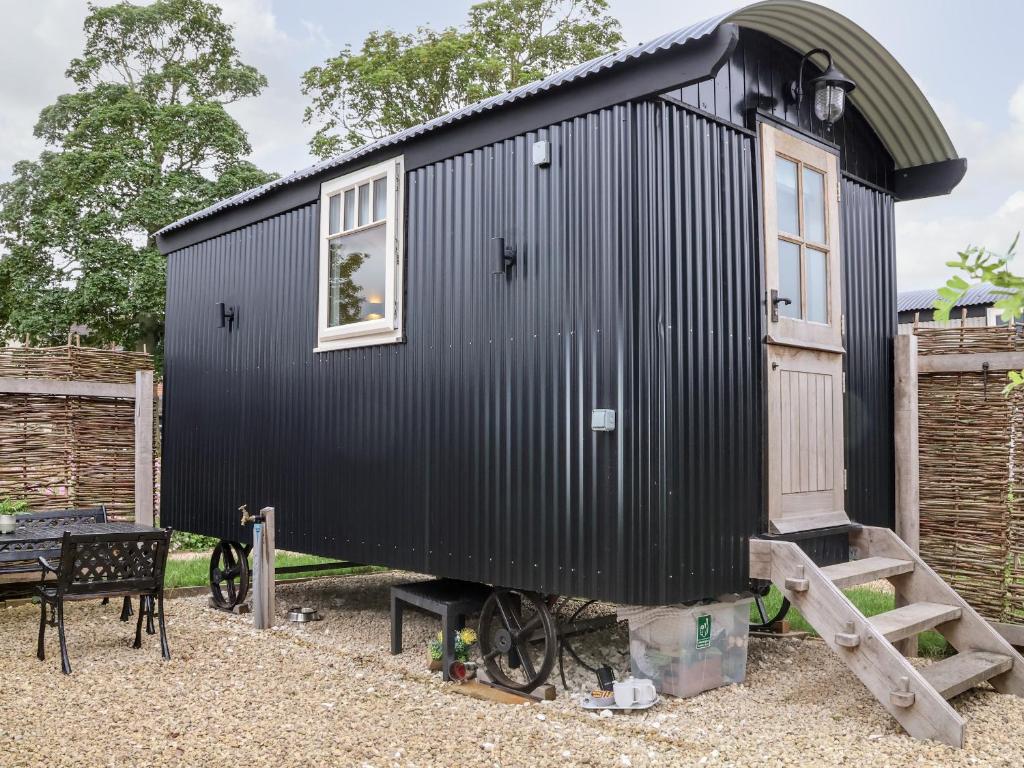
(767, 619)
(518, 640)
(229, 574)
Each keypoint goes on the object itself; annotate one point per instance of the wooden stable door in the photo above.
(804, 343)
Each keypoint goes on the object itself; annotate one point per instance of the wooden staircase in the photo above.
(918, 699)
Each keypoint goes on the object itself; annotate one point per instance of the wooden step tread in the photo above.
(913, 619)
(962, 672)
(856, 572)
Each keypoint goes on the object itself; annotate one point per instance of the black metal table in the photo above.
(43, 539)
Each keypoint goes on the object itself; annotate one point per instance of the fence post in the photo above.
(908, 488)
(144, 447)
(264, 605)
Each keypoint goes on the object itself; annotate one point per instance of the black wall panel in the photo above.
(467, 451)
(869, 299)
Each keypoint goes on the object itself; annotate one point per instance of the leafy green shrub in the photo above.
(183, 541)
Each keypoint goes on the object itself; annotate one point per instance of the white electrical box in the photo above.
(602, 420)
(542, 153)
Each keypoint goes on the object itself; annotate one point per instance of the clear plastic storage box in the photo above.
(687, 650)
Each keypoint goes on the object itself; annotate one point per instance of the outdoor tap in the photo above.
(248, 518)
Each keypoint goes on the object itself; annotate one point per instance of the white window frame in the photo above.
(388, 329)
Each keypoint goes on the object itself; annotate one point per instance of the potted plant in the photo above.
(465, 639)
(8, 509)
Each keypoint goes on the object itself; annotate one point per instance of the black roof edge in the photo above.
(699, 60)
(930, 180)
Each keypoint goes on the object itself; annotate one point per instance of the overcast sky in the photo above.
(965, 55)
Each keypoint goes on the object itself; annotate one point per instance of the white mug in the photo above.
(644, 691)
(632, 691)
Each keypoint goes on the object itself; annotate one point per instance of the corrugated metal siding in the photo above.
(467, 451)
(869, 298)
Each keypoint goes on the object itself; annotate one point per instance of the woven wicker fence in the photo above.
(58, 452)
(971, 440)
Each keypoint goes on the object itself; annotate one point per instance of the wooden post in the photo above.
(264, 608)
(908, 488)
(144, 447)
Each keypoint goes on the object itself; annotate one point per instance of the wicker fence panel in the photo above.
(60, 452)
(971, 440)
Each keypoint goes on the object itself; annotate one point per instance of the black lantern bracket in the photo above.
(502, 257)
(227, 315)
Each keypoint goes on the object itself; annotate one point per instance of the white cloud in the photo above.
(274, 119)
(35, 49)
(986, 209)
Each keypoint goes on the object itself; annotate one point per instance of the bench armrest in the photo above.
(45, 565)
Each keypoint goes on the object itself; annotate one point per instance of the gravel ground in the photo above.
(330, 694)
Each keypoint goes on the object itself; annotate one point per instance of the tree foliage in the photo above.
(143, 140)
(399, 80)
(985, 266)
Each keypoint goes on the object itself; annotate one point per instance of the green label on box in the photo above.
(703, 631)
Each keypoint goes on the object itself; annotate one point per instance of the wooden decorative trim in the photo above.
(13, 385)
(972, 362)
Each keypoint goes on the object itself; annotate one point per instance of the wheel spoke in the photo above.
(507, 616)
(526, 662)
(528, 627)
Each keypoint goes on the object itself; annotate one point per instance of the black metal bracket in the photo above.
(502, 257)
(228, 315)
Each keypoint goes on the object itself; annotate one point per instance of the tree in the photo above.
(985, 266)
(143, 140)
(399, 80)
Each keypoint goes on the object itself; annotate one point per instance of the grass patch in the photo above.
(195, 571)
(870, 602)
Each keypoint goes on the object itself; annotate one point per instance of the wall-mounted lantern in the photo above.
(829, 88)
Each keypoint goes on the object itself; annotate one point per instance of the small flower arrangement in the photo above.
(465, 639)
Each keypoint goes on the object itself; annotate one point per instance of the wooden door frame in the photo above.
(771, 347)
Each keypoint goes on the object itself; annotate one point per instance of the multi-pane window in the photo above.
(360, 263)
(803, 240)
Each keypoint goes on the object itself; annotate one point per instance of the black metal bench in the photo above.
(450, 599)
(18, 560)
(104, 565)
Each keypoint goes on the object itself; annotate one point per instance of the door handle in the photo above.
(775, 301)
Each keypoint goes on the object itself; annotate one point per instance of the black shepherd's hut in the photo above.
(587, 337)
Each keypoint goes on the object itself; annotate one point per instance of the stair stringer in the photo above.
(970, 632)
(875, 661)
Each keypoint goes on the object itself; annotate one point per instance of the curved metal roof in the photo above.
(886, 95)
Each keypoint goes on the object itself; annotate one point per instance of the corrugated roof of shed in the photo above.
(886, 96)
(911, 301)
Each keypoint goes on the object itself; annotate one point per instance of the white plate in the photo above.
(589, 703)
